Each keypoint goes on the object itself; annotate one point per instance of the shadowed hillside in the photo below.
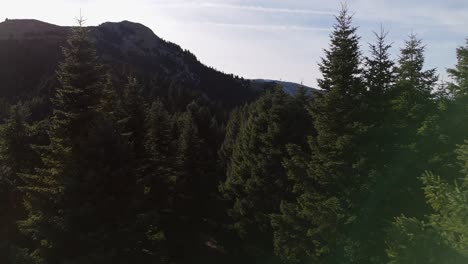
(31, 50)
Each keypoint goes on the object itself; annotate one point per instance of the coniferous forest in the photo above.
(372, 168)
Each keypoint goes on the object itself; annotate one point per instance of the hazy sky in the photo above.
(275, 39)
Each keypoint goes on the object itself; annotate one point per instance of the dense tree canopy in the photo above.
(372, 168)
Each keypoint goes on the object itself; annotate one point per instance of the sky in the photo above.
(269, 39)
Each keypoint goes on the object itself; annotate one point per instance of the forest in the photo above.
(373, 168)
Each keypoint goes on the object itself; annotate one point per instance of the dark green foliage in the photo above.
(453, 113)
(460, 74)
(255, 170)
(160, 147)
(413, 127)
(379, 77)
(112, 169)
(82, 202)
(413, 241)
(232, 130)
(16, 157)
(110, 102)
(132, 111)
(189, 171)
(51, 194)
(256, 182)
(443, 238)
(330, 183)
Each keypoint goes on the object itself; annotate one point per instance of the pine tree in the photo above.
(231, 132)
(188, 164)
(256, 182)
(81, 203)
(300, 123)
(443, 236)
(379, 78)
(412, 96)
(46, 191)
(16, 157)
(379, 74)
(410, 240)
(110, 102)
(452, 121)
(291, 240)
(459, 74)
(185, 204)
(330, 181)
(133, 114)
(160, 151)
(414, 129)
(449, 203)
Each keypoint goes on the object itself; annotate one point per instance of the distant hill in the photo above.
(289, 87)
(31, 50)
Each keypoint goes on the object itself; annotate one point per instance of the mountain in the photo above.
(31, 50)
(289, 87)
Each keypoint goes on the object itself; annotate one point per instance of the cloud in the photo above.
(254, 8)
(268, 26)
(269, 9)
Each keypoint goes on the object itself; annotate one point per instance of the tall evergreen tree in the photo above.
(414, 112)
(133, 114)
(453, 108)
(16, 157)
(379, 78)
(330, 181)
(110, 101)
(81, 203)
(256, 182)
(185, 194)
(47, 191)
(459, 88)
(443, 236)
(231, 131)
(160, 151)
(379, 74)
(188, 161)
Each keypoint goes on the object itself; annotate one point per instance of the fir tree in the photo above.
(185, 204)
(231, 132)
(459, 88)
(16, 157)
(133, 114)
(379, 78)
(452, 121)
(443, 236)
(414, 129)
(256, 182)
(188, 160)
(379, 75)
(160, 150)
(110, 102)
(81, 203)
(47, 191)
(331, 183)
(410, 240)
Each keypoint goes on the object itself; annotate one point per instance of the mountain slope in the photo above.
(289, 87)
(31, 51)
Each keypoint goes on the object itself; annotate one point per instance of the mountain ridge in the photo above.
(32, 51)
(289, 87)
